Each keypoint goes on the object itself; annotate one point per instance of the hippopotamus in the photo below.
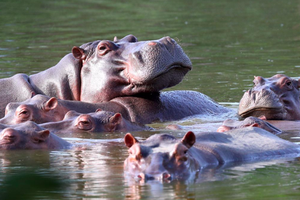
(101, 70)
(41, 109)
(170, 105)
(163, 157)
(29, 135)
(277, 98)
(260, 122)
(96, 122)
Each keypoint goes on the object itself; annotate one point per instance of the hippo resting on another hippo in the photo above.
(102, 71)
(29, 135)
(276, 98)
(163, 157)
(96, 122)
(173, 105)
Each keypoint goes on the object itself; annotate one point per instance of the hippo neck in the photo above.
(61, 81)
(56, 142)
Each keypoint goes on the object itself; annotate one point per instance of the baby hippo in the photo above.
(29, 135)
(96, 122)
(260, 122)
(42, 109)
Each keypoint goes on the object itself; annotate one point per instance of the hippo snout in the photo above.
(164, 176)
(260, 102)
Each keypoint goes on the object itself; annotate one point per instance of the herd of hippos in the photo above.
(107, 86)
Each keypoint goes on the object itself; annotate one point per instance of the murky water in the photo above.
(228, 42)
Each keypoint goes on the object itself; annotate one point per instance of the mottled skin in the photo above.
(29, 135)
(277, 98)
(102, 70)
(163, 157)
(96, 122)
(261, 122)
(165, 106)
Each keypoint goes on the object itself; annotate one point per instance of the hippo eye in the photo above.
(84, 125)
(23, 114)
(37, 140)
(106, 46)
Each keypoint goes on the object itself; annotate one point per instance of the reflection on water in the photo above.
(228, 42)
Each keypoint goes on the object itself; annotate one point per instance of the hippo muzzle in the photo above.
(264, 102)
(159, 61)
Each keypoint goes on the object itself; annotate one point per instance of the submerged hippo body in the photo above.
(276, 98)
(29, 135)
(164, 157)
(102, 70)
(166, 106)
(96, 122)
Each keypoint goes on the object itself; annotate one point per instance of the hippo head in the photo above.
(160, 157)
(39, 108)
(260, 122)
(27, 135)
(99, 121)
(275, 98)
(128, 67)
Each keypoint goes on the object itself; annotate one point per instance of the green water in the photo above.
(228, 41)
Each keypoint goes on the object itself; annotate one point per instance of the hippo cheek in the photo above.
(100, 85)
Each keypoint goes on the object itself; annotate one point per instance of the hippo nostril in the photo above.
(152, 43)
(166, 176)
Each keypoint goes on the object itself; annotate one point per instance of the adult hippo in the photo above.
(163, 157)
(276, 98)
(172, 105)
(102, 70)
(29, 135)
(96, 122)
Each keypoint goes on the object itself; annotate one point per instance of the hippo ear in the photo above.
(78, 53)
(115, 39)
(41, 136)
(189, 139)
(130, 140)
(32, 94)
(114, 121)
(50, 104)
(98, 110)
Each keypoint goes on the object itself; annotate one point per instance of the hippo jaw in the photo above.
(264, 102)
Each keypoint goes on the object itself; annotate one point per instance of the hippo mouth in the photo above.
(269, 113)
(168, 78)
(264, 102)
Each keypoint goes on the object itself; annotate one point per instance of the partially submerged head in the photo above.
(29, 135)
(39, 109)
(128, 67)
(96, 122)
(160, 157)
(275, 98)
(260, 122)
